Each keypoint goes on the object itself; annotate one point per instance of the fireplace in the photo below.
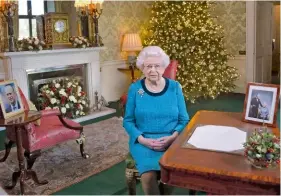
(36, 78)
(28, 66)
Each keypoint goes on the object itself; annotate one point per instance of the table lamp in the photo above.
(131, 44)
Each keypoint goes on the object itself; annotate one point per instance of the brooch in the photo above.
(141, 92)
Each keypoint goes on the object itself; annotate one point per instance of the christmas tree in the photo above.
(187, 32)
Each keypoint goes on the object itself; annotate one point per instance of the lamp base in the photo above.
(132, 60)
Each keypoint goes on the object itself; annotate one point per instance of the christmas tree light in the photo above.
(186, 31)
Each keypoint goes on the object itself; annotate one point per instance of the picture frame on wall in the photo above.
(11, 103)
(261, 104)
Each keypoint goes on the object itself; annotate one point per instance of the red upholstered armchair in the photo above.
(53, 129)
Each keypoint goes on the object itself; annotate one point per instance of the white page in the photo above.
(221, 138)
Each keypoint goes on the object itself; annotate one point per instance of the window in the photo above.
(28, 10)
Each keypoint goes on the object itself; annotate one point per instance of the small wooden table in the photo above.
(216, 172)
(135, 72)
(17, 124)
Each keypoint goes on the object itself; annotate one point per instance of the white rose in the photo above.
(52, 93)
(47, 108)
(67, 106)
(56, 107)
(30, 47)
(71, 97)
(69, 84)
(74, 45)
(47, 91)
(63, 110)
(77, 112)
(40, 47)
(62, 92)
(81, 107)
(79, 94)
(29, 41)
(57, 85)
(53, 100)
(36, 42)
(83, 102)
(83, 46)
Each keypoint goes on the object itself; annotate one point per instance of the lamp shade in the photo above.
(131, 42)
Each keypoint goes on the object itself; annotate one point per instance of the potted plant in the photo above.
(263, 149)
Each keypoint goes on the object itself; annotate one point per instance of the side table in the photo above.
(134, 72)
(17, 123)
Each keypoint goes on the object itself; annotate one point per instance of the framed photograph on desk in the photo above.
(261, 104)
(11, 103)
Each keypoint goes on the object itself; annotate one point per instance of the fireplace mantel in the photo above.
(16, 65)
(46, 52)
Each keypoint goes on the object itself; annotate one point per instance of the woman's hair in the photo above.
(152, 51)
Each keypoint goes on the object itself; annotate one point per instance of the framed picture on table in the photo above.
(261, 104)
(11, 103)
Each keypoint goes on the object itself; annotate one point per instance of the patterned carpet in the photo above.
(62, 166)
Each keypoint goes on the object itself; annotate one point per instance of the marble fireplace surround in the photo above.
(16, 64)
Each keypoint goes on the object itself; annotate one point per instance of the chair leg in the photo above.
(83, 153)
(81, 142)
(131, 181)
(31, 157)
(8, 146)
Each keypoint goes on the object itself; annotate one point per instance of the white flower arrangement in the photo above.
(79, 42)
(30, 44)
(67, 95)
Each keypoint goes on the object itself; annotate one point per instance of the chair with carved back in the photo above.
(53, 129)
(131, 172)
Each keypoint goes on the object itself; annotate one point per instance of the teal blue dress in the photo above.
(153, 115)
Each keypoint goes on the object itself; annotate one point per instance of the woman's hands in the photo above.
(150, 143)
(159, 144)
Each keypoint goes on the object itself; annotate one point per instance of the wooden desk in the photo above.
(215, 172)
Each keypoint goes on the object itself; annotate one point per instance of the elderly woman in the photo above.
(155, 115)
